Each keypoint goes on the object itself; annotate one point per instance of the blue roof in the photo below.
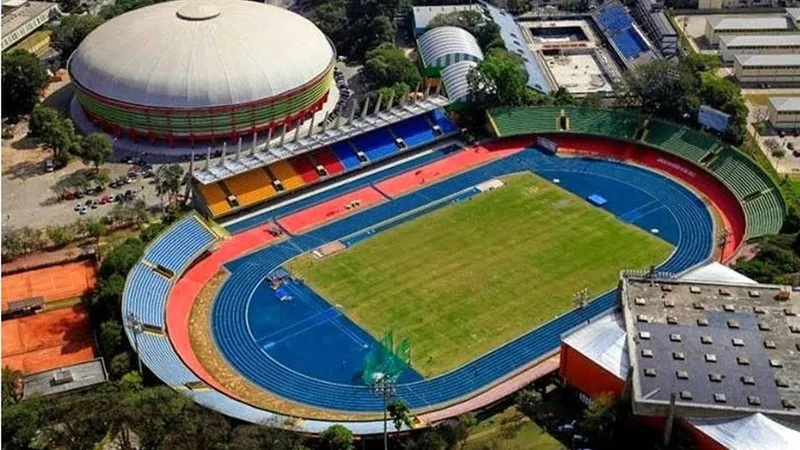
(515, 43)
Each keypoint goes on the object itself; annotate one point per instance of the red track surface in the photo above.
(186, 290)
(721, 198)
(330, 210)
(443, 168)
(53, 283)
(48, 340)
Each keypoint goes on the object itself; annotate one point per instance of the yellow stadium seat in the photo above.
(251, 187)
(215, 198)
(285, 172)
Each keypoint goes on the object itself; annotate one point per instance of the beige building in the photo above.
(730, 4)
(758, 44)
(777, 70)
(728, 26)
(784, 112)
(21, 18)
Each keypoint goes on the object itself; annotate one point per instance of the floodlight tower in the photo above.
(385, 387)
(136, 326)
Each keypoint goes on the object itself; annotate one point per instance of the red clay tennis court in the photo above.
(49, 340)
(53, 283)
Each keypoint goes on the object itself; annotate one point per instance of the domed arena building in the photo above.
(186, 71)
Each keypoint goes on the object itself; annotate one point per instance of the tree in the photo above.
(42, 117)
(152, 231)
(90, 226)
(72, 30)
(600, 416)
(778, 154)
(129, 213)
(486, 32)
(398, 411)
(19, 241)
(593, 100)
(168, 181)
(429, 440)
(12, 386)
(120, 366)
(499, 80)
(68, 5)
(663, 88)
(336, 437)
(60, 235)
(528, 402)
(387, 66)
(131, 382)
(21, 423)
(122, 259)
(95, 149)
(60, 137)
(110, 338)
(24, 78)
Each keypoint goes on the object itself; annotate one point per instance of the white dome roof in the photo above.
(191, 54)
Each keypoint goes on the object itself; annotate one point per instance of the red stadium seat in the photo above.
(331, 163)
(303, 166)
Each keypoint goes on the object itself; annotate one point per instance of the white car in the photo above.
(78, 206)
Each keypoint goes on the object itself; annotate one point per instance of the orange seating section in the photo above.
(250, 187)
(289, 178)
(215, 198)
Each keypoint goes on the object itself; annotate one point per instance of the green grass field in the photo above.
(465, 279)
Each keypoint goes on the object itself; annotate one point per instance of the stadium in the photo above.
(231, 83)
(386, 257)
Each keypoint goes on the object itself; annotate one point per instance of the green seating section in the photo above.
(619, 124)
(518, 121)
(744, 177)
(739, 173)
(682, 141)
(764, 214)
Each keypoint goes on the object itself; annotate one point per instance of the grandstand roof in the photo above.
(192, 54)
(442, 41)
(785, 103)
(84, 375)
(227, 167)
(776, 60)
(761, 40)
(455, 80)
(663, 24)
(793, 13)
(23, 13)
(748, 23)
(515, 43)
(424, 14)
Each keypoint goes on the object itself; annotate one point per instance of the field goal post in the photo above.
(386, 361)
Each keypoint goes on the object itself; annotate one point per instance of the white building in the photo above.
(784, 112)
(779, 70)
(758, 44)
(722, 26)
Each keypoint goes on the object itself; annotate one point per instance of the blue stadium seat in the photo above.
(414, 131)
(376, 144)
(159, 356)
(346, 155)
(145, 295)
(176, 249)
(439, 117)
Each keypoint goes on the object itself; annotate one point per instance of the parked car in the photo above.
(78, 206)
(790, 146)
(49, 165)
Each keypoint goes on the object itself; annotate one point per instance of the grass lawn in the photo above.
(465, 279)
(510, 430)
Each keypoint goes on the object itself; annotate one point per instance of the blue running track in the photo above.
(302, 367)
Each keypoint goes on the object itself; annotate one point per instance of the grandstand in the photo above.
(191, 237)
(620, 124)
(624, 35)
(245, 182)
(682, 141)
(742, 176)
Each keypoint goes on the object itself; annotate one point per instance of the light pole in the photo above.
(385, 388)
(136, 327)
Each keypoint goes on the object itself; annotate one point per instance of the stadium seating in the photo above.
(439, 117)
(159, 356)
(621, 124)
(289, 178)
(377, 144)
(215, 198)
(303, 166)
(516, 121)
(145, 295)
(250, 187)
(346, 155)
(328, 160)
(176, 249)
(764, 214)
(619, 26)
(414, 131)
(739, 173)
(682, 141)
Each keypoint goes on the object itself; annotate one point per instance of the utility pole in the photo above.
(136, 327)
(385, 388)
(722, 242)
